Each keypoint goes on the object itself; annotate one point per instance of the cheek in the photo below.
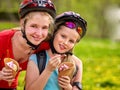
(56, 41)
(45, 33)
(58, 37)
(71, 46)
(28, 31)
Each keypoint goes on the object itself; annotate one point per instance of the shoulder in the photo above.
(6, 35)
(77, 60)
(7, 32)
(33, 58)
(5, 39)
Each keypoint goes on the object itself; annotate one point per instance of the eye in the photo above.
(34, 26)
(45, 27)
(72, 41)
(63, 36)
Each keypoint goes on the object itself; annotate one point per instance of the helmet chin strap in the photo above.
(28, 42)
(54, 51)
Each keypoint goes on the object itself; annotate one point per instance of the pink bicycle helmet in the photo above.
(37, 5)
(71, 20)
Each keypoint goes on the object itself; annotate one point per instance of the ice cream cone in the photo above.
(13, 65)
(69, 71)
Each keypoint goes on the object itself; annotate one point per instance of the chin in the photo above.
(60, 52)
(36, 43)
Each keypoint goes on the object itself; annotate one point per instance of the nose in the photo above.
(66, 42)
(39, 31)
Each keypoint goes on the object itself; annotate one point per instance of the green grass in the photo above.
(7, 25)
(101, 61)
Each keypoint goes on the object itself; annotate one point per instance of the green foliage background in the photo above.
(91, 10)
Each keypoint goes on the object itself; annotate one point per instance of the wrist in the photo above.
(48, 71)
(78, 85)
(68, 88)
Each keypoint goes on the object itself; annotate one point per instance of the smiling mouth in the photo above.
(37, 38)
(62, 47)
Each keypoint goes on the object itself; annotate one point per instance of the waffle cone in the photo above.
(67, 72)
(14, 69)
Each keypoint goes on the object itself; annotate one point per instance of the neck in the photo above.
(50, 53)
(20, 41)
(21, 50)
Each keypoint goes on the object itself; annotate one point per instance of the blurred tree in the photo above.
(9, 7)
(62, 6)
(91, 10)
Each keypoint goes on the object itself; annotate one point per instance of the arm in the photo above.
(33, 79)
(78, 76)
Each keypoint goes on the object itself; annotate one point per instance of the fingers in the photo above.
(64, 82)
(63, 57)
(54, 62)
(20, 68)
(6, 70)
(64, 79)
(6, 74)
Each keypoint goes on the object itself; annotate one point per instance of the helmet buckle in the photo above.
(40, 2)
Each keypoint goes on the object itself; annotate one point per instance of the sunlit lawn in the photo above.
(5, 25)
(101, 59)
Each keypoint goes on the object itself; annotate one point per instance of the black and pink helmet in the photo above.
(27, 6)
(71, 20)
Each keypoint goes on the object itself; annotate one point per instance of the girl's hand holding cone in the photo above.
(66, 71)
(12, 67)
(6, 74)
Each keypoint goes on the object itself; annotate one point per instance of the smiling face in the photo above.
(36, 27)
(65, 39)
